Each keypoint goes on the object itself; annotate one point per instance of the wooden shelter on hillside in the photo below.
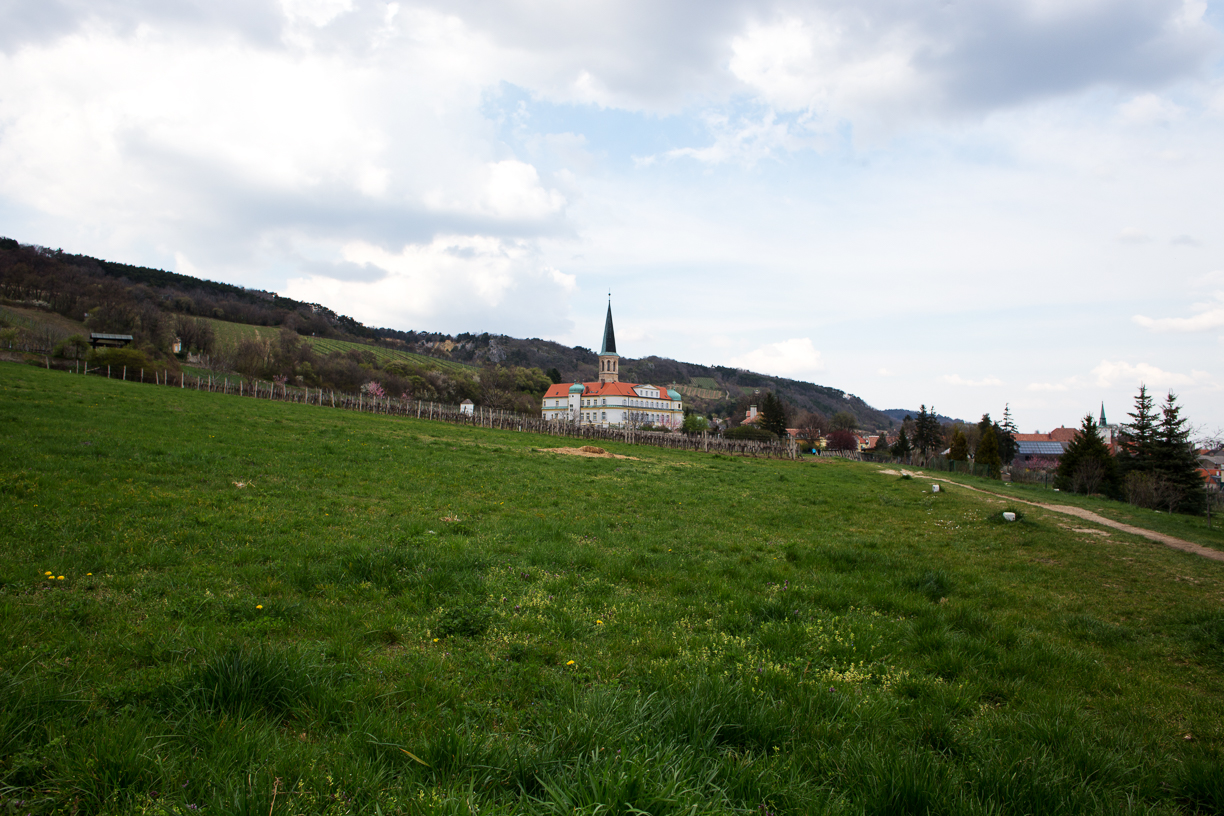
(109, 340)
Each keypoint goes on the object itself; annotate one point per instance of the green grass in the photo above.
(229, 334)
(272, 608)
(1198, 529)
(385, 355)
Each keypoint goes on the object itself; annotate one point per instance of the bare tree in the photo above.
(1088, 476)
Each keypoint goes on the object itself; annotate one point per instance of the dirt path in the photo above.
(1088, 515)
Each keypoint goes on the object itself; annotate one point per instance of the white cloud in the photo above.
(1119, 372)
(1150, 109)
(1210, 316)
(316, 12)
(1046, 387)
(746, 142)
(956, 379)
(487, 282)
(829, 65)
(508, 190)
(514, 191)
(796, 357)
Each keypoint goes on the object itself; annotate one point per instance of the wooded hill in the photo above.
(156, 306)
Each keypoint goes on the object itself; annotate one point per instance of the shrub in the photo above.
(842, 440)
(134, 359)
(71, 348)
(750, 432)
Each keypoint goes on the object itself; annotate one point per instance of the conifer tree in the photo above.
(960, 447)
(902, 447)
(773, 414)
(987, 453)
(1175, 460)
(928, 435)
(1138, 438)
(881, 443)
(1006, 433)
(1086, 466)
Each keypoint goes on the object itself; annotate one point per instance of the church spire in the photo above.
(1101, 423)
(609, 338)
(609, 360)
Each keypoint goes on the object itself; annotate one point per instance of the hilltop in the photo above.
(49, 291)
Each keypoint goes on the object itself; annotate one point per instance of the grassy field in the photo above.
(228, 334)
(235, 606)
(36, 318)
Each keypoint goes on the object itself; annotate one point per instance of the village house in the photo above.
(1210, 469)
(610, 403)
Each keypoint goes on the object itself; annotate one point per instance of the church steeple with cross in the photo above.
(609, 360)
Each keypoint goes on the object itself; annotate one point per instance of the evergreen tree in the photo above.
(902, 447)
(1086, 466)
(928, 436)
(1175, 460)
(554, 375)
(773, 415)
(960, 447)
(1138, 438)
(1006, 433)
(987, 453)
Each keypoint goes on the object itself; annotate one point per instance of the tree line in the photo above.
(1156, 463)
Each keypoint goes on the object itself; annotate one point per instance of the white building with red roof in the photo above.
(610, 403)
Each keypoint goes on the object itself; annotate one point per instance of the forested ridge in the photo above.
(157, 306)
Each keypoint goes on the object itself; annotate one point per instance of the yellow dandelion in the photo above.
(50, 577)
(59, 577)
(570, 663)
(435, 640)
(259, 606)
(599, 622)
(89, 573)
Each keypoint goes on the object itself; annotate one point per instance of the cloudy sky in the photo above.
(963, 204)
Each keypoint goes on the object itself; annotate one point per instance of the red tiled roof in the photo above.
(598, 389)
(1063, 434)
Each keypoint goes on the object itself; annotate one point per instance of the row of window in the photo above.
(591, 403)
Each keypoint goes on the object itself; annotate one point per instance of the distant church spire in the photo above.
(1101, 423)
(609, 338)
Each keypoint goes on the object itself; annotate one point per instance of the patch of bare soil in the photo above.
(588, 450)
(1088, 515)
